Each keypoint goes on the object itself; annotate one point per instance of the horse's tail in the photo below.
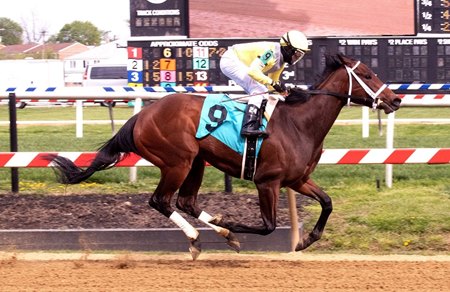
(107, 156)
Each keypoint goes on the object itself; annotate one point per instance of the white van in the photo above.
(105, 75)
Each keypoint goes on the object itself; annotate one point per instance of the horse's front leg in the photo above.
(313, 191)
(268, 200)
(187, 202)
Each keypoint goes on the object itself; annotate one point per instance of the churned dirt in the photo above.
(124, 211)
(219, 272)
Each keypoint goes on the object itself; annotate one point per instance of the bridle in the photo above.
(373, 103)
(351, 73)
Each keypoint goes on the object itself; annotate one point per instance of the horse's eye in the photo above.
(368, 76)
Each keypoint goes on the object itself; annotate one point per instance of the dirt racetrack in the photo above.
(221, 272)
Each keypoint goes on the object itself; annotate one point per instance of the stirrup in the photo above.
(253, 133)
(252, 122)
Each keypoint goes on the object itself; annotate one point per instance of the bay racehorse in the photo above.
(164, 134)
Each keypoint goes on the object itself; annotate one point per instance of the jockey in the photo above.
(257, 67)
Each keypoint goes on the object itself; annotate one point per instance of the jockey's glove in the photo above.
(278, 86)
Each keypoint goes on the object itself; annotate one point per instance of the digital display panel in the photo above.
(433, 16)
(159, 18)
(189, 62)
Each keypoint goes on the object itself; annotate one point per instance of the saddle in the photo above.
(222, 118)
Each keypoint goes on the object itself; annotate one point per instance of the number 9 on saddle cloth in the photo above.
(222, 118)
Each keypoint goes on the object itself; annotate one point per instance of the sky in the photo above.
(106, 15)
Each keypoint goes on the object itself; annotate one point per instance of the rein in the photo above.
(246, 96)
(344, 97)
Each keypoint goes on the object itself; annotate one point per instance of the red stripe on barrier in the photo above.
(84, 159)
(399, 156)
(4, 158)
(353, 157)
(39, 160)
(439, 96)
(442, 156)
(350, 156)
(130, 160)
(419, 96)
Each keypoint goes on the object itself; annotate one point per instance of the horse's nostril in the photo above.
(397, 102)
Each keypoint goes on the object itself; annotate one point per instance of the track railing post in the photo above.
(79, 118)
(133, 170)
(295, 230)
(389, 145)
(228, 183)
(13, 141)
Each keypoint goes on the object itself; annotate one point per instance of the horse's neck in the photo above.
(328, 106)
(324, 110)
(314, 118)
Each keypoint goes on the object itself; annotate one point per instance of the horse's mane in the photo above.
(332, 63)
(296, 95)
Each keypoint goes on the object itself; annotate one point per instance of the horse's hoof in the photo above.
(195, 248)
(302, 244)
(233, 242)
(299, 247)
(216, 219)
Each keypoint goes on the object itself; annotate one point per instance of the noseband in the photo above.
(351, 73)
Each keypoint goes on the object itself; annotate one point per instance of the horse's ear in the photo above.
(344, 59)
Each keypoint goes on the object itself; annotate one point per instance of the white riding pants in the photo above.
(234, 69)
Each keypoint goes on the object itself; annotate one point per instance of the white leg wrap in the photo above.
(205, 218)
(187, 228)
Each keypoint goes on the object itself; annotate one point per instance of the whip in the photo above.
(245, 96)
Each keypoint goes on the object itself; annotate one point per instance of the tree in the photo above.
(35, 32)
(10, 32)
(78, 31)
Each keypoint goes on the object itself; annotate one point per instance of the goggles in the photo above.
(297, 56)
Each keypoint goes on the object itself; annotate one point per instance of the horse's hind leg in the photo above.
(313, 191)
(187, 202)
(171, 179)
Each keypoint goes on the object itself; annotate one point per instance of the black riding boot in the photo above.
(252, 122)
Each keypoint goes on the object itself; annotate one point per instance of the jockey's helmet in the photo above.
(294, 45)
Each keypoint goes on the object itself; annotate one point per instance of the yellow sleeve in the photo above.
(259, 57)
(275, 76)
(255, 72)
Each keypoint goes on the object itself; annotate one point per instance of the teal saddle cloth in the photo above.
(222, 118)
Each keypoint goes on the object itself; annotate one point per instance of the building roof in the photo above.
(58, 47)
(114, 51)
(18, 49)
(63, 50)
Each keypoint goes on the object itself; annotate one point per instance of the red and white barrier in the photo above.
(425, 99)
(81, 159)
(412, 94)
(386, 156)
(329, 156)
(407, 100)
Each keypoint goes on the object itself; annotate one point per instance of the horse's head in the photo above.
(363, 84)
